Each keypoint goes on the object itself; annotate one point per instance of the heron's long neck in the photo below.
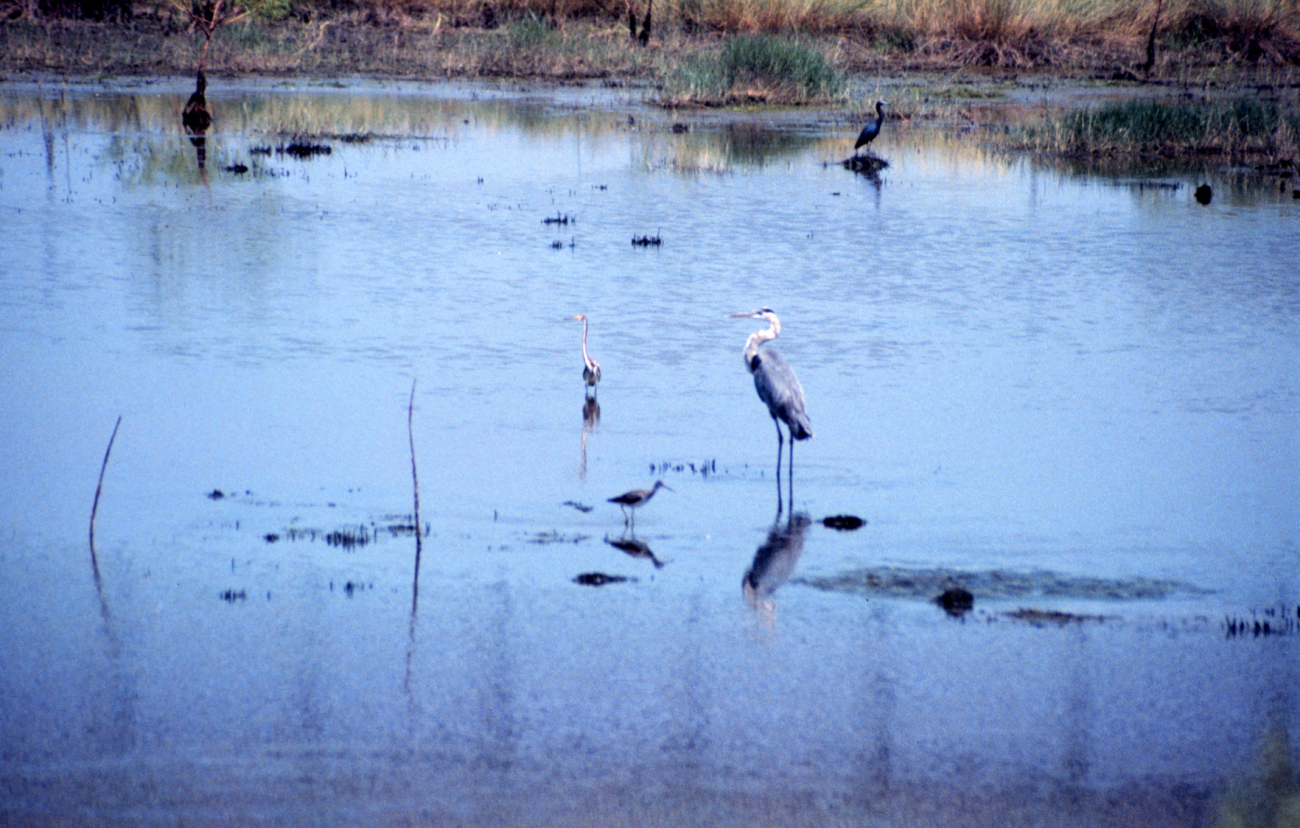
(585, 357)
(758, 338)
(880, 116)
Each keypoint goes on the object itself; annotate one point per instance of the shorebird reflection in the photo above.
(635, 548)
(775, 561)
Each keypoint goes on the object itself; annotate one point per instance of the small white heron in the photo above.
(590, 367)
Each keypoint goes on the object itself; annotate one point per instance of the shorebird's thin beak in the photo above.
(744, 315)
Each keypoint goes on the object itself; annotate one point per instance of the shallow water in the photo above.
(1015, 375)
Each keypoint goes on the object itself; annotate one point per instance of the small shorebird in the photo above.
(630, 501)
(590, 367)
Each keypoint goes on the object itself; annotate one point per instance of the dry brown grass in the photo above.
(588, 38)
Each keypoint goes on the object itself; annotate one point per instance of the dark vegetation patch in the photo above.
(600, 579)
(647, 241)
(704, 468)
(562, 219)
(303, 149)
(230, 596)
(865, 164)
(843, 523)
(956, 601)
(581, 507)
(1272, 621)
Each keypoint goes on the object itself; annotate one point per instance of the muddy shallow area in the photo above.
(1072, 396)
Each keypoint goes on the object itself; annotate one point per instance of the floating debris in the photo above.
(1041, 618)
(865, 164)
(230, 596)
(260, 151)
(555, 537)
(843, 523)
(1204, 194)
(956, 601)
(679, 128)
(581, 507)
(216, 494)
(600, 579)
(237, 168)
(561, 219)
(271, 537)
(897, 582)
(647, 241)
(559, 245)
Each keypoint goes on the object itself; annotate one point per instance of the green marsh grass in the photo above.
(1245, 128)
(755, 69)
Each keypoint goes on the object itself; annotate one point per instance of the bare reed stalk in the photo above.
(415, 483)
(94, 509)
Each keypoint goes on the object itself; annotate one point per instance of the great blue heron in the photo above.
(635, 499)
(776, 384)
(871, 130)
(590, 367)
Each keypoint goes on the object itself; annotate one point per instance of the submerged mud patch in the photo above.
(1041, 618)
(898, 582)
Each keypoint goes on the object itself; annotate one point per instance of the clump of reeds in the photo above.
(1238, 129)
(755, 69)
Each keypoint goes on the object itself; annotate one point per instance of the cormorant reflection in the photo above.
(635, 548)
(196, 119)
(775, 560)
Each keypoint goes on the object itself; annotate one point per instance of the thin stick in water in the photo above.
(94, 509)
(415, 483)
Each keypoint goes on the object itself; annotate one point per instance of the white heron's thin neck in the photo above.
(585, 357)
(759, 337)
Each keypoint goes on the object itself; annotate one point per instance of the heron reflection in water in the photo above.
(777, 387)
(590, 419)
(775, 562)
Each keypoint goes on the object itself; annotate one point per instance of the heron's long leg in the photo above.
(780, 441)
(791, 482)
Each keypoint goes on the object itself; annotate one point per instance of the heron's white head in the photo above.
(582, 317)
(761, 313)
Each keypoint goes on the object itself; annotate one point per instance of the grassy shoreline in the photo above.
(1244, 41)
(1239, 111)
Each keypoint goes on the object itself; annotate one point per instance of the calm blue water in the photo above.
(1007, 368)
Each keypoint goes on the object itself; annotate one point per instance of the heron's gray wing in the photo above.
(777, 386)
